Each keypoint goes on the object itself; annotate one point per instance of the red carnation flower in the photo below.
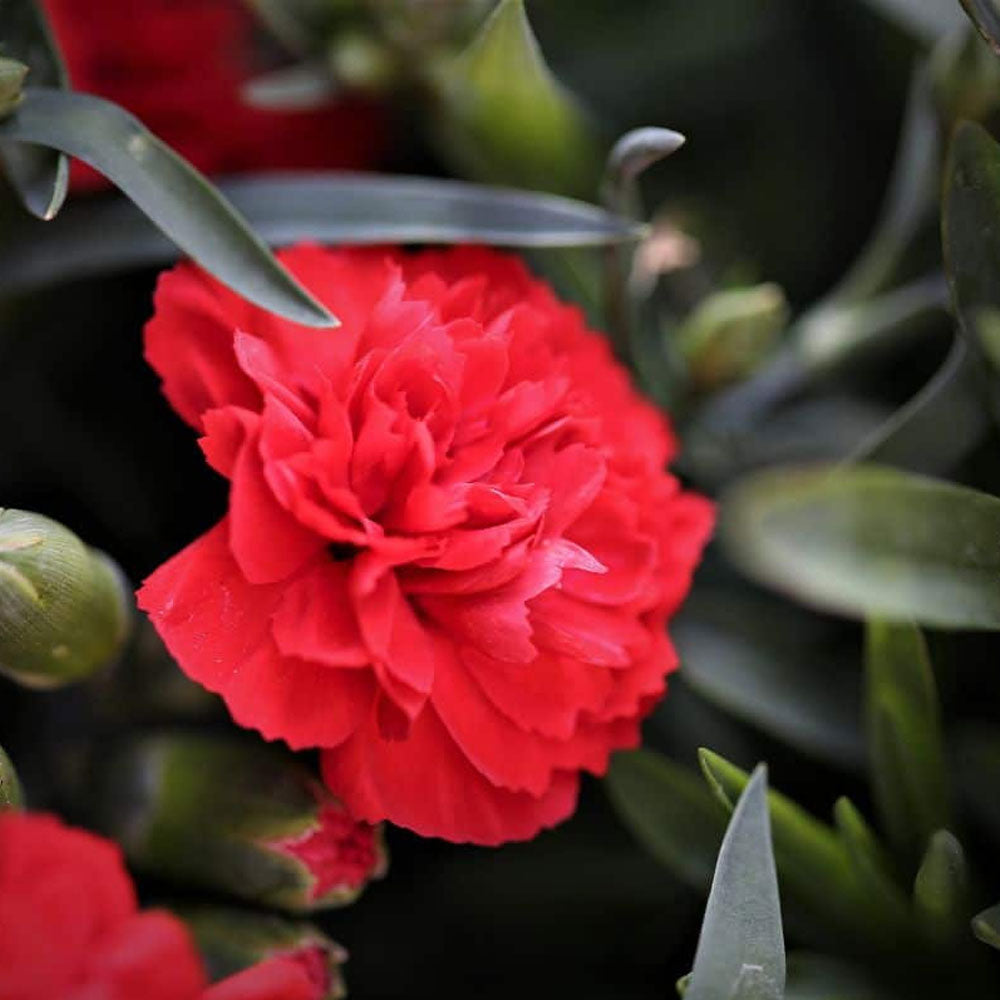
(451, 547)
(179, 66)
(70, 929)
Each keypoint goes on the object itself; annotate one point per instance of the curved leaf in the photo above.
(741, 950)
(909, 772)
(767, 664)
(168, 189)
(38, 174)
(670, 812)
(986, 926)
(866, 540)
(940, 890)
(330, 208)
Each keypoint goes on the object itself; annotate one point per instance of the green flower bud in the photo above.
(232, 940)
(730, 333)
(361, 62)
(237, 816)
(64, 612)
(12, 74)
(965, 77)
(10, 787)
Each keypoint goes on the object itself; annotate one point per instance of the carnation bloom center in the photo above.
(451, 546)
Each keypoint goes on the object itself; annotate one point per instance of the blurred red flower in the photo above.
(179, 66)
(70, 929)
(451, 547)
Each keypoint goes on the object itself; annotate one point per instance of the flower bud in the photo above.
(232, 940)
(729, 333)
(12, 74)
(965, 77)
(241, 817)
(63, 606)
(10, 787)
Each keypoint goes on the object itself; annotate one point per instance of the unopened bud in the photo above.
(63, 606)
(730, 333)
(12, 74)
(10, 787)
(232, 940)
(361, 62)
(237, 816)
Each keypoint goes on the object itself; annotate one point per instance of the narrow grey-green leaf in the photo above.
(986, 926)
(741, 950)
(772, 666)
(40, 175)
(985, 15)
(909, 772)
(669, 811)
(169, 190)
(819, 880)
(10, 788)
(331, 208)
(940, 891)
(866, 540)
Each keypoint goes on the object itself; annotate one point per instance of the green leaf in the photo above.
(985, 15)
(940, 891)
(505, 118)
(669, 811)
(820, 881)
(772, 665)
(39, 175)
(866, 540)
(909, 771)
(11, 795)
(169, 190)
(741, 950)
(986, 926)
(869, 858)
(331, 208)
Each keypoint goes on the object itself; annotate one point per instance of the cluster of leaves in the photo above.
(863, 535)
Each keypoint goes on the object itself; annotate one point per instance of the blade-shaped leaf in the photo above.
(168, 189)
(331, 208)
(670, 812)
(866, 540)
(741, 950)
(772, 666)
(820, 882)
(940, 890)
(39, 174)
(505, 118)
(985, 15)
(10, 787)
(986, 926)
(909, 772)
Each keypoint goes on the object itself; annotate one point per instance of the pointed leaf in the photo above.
(909, 772)
(506, 119)
(669, 811)
(985, 15)
(819, 879)
(741, 950)
(38, 174)
(866, 540)
(168, 189)
(331, 208)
